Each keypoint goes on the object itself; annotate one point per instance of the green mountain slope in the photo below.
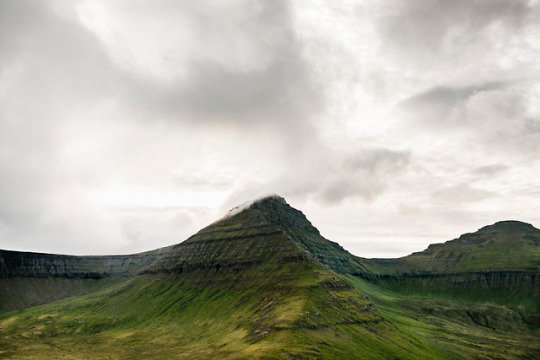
(260, 283)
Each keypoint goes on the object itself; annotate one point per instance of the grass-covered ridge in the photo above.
(506, 245)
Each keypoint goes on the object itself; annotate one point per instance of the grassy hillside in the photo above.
(315, 316)
(303, 311)
(467, 324)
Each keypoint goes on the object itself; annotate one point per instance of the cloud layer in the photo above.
(129, 125)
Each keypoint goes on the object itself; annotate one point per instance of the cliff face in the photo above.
(267, 227)
(519, 280)
(237, 242)
(29, 264)
(28, 279)
(262, 280)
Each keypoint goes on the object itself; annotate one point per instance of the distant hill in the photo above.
(505, 245)
(264, 283)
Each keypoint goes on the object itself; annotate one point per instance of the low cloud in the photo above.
(462, 193)
(489, 170)
(445, 97)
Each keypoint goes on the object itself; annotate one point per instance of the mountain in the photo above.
(267, 230)
(260, 283)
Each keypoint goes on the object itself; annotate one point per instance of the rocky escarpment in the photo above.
(39, 265)
(246, 239)
(261, 236)
(524, 280)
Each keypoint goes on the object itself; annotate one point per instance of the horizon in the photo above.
(246, 205)
(128, 126)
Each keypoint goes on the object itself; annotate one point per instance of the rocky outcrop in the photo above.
(295, 224)
(526, 280)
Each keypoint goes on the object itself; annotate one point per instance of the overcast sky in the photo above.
(129, 125)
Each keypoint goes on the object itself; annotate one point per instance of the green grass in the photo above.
(460, 324)
(315, 314)
(307, 312)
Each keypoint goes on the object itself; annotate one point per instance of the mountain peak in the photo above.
(268, 199)
(295, 225)
(276, 210)
(508, 225)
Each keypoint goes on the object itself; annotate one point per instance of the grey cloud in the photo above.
(82, 133)
(489, 170)
(365, 174)
(445, 97)
(429, 25)
(462, 193)
(56, 73)
(273, 84)
(278, 93)
(435, 107)
(54, 56)
(283, 90)
(202, 182)
(378, 160)
(495, 115)
(55, 67)
(159, 225)
(532, 125)
(66, 57)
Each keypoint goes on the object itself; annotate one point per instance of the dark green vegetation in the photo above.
(263, 283)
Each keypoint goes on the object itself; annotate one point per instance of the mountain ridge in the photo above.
(261, 282)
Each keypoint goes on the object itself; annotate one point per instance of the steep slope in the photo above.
(294, 223)
(266, 223)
